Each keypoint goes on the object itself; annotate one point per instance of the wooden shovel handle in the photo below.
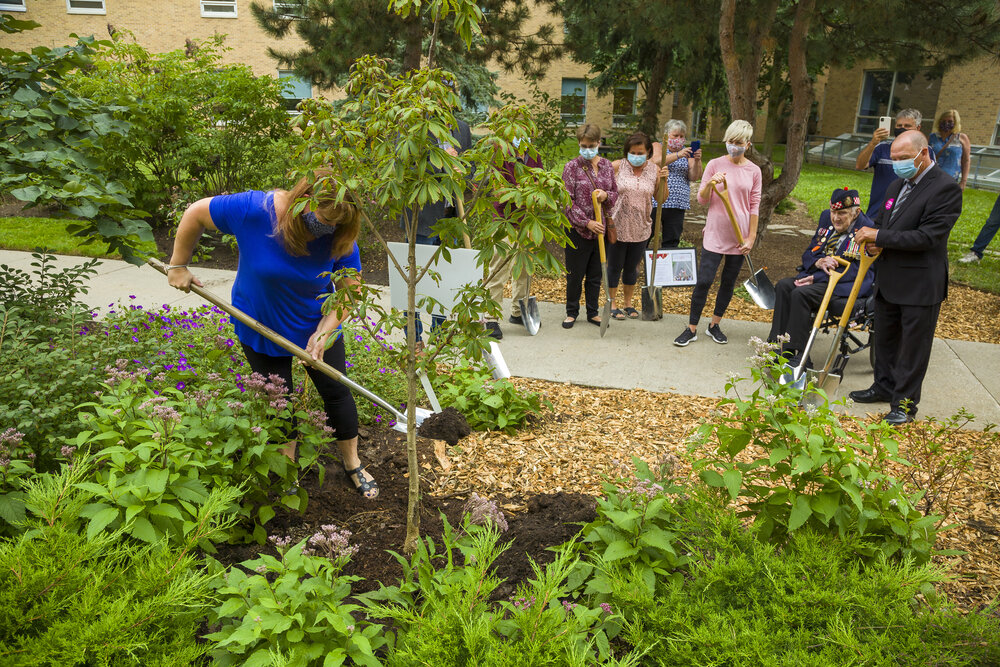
(461, 214)
(835, 276)
(865, 264)
(599, 216)
(724, 196)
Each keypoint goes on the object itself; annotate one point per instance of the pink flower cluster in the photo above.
(331, 543)
(481, 510)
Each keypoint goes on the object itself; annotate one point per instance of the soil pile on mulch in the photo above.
(535, 522)
(448, 425)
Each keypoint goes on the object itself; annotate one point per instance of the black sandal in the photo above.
(568, 322)
(618, 314)
(363, 486)
(594, 321)
(632, 313)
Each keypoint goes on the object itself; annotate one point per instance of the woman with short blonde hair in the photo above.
(952, 150)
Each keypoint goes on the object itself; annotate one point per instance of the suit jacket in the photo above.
(913, 268)
(428, 216)
(815, 251)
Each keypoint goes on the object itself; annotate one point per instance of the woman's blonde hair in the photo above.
(344, 216)
(739, 130)
(954, 114)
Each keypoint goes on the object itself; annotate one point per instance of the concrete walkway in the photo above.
(633, 354)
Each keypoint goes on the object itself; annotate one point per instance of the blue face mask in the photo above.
(315, 227)
(588, 153)
(636, 160)
(905, 168)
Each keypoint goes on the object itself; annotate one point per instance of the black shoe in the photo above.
(516, 319)
(686, 337)
(870, 395)
(494, 329)
(897, 417)
(715, 333)
(568, 322)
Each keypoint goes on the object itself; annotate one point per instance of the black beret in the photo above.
(844, 198)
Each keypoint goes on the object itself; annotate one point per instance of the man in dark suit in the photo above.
(912, 231)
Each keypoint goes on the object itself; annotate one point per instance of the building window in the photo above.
(290, 9)
(218, 9)
(295, 90)
(623, 105)
(995, 141)
(13, 6)
(85, 7)
(573, 103)
(886, 93)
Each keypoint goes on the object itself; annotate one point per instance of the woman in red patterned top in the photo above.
(636, 178)
(583, 176)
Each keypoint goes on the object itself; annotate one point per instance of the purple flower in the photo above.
(180, 386)
(606, 607)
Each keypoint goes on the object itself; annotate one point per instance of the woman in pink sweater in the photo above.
(742, 178)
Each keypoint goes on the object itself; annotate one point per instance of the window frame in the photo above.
(278, 8)
(572, 118)
(8, 6)
(218, 15)
(620, 120)
(70, 9)
(290, 74)
(995, 140)
(890, 111)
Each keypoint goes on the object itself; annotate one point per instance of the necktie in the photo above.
(903, 194)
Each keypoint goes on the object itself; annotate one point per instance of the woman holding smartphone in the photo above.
(741, 177)
(684, 166)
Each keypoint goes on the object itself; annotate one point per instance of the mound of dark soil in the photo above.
(448, 425)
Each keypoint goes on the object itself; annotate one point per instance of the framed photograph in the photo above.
(677, 267)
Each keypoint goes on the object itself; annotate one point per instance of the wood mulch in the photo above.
(591, 433)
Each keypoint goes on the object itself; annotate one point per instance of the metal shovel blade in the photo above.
(530, 316)
(761, 290)
(828, 382)
(652, 303)
(420, 416)
(605, 317)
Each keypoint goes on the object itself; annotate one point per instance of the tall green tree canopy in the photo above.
(338, 32)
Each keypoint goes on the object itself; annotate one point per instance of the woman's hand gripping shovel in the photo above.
(797, 378)
(652, 295)
(824, 379)
(297, 351)
(606, 311)
(759, 286)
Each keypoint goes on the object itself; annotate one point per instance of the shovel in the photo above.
(652, 296)
(797, 378)
(529, 312)
(824, 379)
(298, 352)
(759, 286)
(606, 311)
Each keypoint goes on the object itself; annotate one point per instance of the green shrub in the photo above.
(487, 404)
(370, 364)
(291, 610)
(796, 467)
(71, 598)
(633, 531)
(810, 602)
(442, 613)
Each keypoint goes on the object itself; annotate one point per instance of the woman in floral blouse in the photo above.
(584, 176)
(636, 180)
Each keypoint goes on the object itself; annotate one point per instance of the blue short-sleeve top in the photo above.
(275, 288)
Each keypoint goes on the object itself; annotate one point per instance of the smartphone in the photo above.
(885, 123)
(695, 145)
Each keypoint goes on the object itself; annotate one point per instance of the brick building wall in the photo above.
(839, 102)
(973, 90)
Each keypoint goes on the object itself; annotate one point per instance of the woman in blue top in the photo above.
(684, 166)
(278, 283)
(950, 147)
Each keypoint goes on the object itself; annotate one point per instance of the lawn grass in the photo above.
(21, 233)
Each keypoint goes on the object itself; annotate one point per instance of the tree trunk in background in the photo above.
(654, 97)
(414, 43)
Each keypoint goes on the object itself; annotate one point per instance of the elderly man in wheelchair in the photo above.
(798, 298)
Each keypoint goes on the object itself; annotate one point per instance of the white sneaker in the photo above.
(969, 258)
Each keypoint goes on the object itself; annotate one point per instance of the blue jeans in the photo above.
(436, 320)
(988, 231)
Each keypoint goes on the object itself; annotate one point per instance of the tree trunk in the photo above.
(414, 43)
(798, 117)
(654, 96)
(412, 464)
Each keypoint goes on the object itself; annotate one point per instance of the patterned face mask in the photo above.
(675, 144)
(315, 227)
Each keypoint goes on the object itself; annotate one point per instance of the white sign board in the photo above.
(674, 267)
(460, 271)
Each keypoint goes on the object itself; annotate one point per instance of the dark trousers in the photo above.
(341, 411)
(672, 224)
(903, 339)
(623, 262)
(707, 268)
(988, 231)
(794, 309)
(583, 265)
